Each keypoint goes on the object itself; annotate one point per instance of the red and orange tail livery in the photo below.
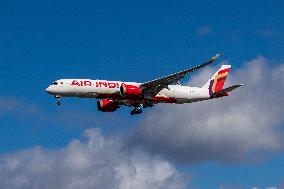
(217, 81)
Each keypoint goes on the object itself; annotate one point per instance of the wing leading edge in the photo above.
(152, 88)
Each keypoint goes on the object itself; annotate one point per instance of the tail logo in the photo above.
(217, 83)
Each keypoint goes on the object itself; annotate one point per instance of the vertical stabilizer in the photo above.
(217, 81)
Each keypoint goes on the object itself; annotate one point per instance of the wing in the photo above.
(152, 88)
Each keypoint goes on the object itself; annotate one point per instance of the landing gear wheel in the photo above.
(58, 100)
(137, 110)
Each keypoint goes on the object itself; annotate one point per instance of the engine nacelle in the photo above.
(107, 105)
(130, 90)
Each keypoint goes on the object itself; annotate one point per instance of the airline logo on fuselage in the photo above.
(95, 83)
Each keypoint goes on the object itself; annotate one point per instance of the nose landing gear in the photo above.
(58, 99)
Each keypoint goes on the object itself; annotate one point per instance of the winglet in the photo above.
(215, 57)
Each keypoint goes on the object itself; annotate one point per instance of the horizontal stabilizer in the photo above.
(227, 90)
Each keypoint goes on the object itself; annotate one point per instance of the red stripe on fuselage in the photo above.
(138, 99)
(164, 99)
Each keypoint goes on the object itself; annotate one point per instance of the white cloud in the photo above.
(93, 162)
(244, 125)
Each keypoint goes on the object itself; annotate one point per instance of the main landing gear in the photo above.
(136, 110)
(58, 99)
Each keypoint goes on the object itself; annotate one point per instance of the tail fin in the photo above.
(217, 81)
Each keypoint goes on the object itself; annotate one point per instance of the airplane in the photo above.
(113, 94)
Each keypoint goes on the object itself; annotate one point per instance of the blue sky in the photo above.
(129, 41)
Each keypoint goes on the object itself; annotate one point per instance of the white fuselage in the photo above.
(102, 89)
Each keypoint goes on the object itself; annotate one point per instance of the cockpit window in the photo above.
(54, 83)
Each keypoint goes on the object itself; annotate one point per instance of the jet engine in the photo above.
(106, 105)
(130, 90)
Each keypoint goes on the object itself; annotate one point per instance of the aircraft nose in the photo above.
(48, 90)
